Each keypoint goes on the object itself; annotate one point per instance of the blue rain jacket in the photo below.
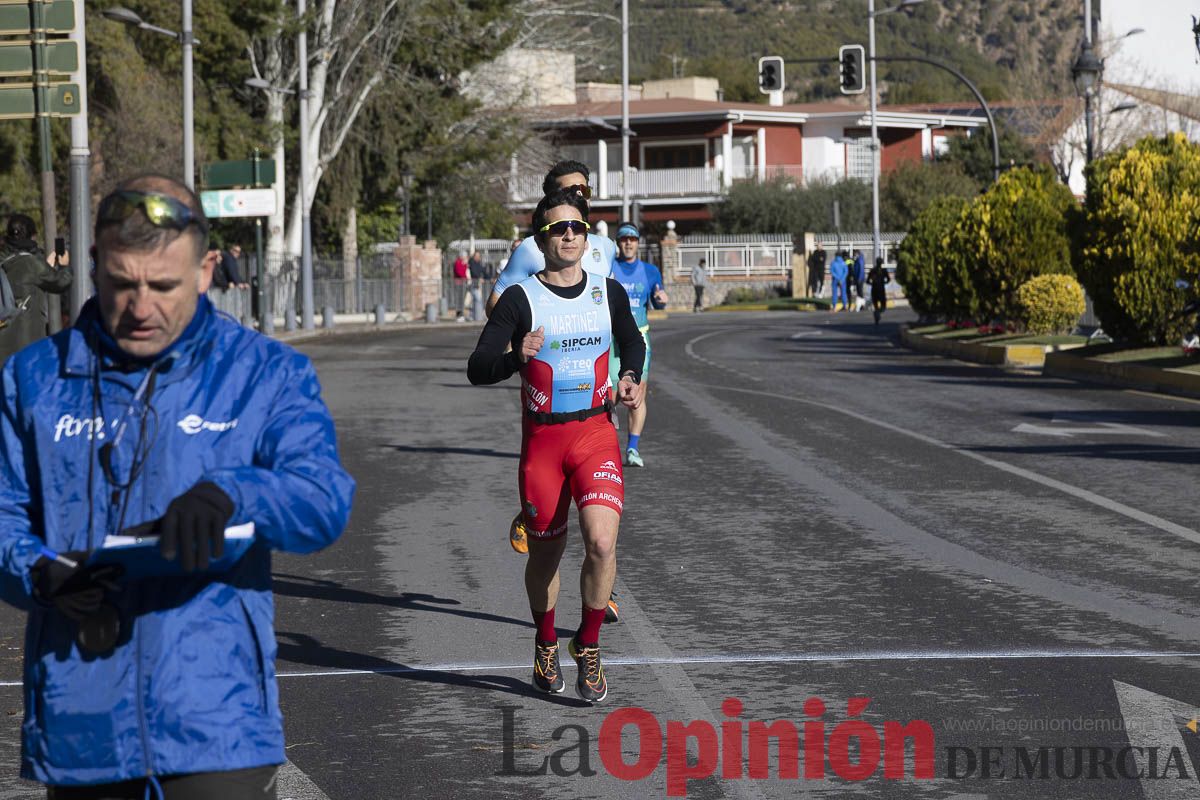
(190, 686)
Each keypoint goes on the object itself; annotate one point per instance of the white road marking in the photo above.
(691, 351)
(1152, 520)
(1151, 720)
(805, 335)
(1100, 428)
(295, 785)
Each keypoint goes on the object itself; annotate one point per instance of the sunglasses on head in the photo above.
(561, 227)
(582, 189)
(160, 210)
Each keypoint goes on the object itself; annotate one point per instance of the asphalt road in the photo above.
(995, 560)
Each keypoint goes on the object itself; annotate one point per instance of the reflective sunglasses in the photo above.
(161, 211)
(561, 227)
(583, 189)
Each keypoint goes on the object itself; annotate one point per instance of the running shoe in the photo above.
(516, 534)
(547, 671)
(591, 684)
(612, 613)
(633, 458)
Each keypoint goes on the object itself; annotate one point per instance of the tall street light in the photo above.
(875, 148)
(306, 266)
(406, 182)
(1086, 73)
(127, 17)
(625, 110)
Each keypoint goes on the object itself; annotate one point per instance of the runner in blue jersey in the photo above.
(644, 284)
(528, 260)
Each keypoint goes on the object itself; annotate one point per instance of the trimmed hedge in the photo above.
(924, 266)
(1140, 231)
(1012, 232)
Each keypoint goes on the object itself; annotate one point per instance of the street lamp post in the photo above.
(1086, 73)
(130, 18)
(877, 244)
(625, 110)
(406, 182)
(428, 213)
(306, 266)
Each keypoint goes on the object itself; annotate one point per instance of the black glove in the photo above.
(75, 591)
(193, 529)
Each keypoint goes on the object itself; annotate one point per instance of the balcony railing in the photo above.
(682, 183)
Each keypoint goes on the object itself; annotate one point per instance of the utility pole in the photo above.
(875, 239)
(306, 265)
(189, 134)
(624, 110)
(81, 193)
(41, 84)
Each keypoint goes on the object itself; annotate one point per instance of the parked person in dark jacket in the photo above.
(30, 277)
(153, 412)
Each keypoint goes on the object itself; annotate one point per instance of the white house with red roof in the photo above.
(689, 146)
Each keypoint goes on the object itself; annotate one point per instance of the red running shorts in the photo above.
(580, 460)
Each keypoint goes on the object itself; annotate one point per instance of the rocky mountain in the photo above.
(1011, 49)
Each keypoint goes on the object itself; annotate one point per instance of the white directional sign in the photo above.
(1090, 427)
(239, 203)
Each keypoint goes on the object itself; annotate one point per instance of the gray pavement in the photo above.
(1008, 558)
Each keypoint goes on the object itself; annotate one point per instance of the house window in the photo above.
(675, 156)
(858, 157)
(588, 154)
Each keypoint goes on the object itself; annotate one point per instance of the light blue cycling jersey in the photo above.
(528, 260)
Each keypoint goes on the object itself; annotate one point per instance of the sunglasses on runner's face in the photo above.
(582, 189)
(162, 211)
(576, 226)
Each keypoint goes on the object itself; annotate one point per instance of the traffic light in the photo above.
(851, 61)
(770, 74)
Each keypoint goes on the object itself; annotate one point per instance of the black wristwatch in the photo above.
(629, 374)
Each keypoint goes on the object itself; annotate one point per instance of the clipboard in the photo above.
(137, 551)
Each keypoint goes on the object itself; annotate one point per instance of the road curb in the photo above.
(1125, 376)
(1015, 356)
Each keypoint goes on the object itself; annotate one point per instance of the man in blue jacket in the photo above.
(154, 412)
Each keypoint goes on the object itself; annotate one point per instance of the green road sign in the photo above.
(229, 174)
(14, 18)
(16, 59)
(17, 100)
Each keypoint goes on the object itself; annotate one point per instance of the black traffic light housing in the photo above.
(852, 59)
(770, 74)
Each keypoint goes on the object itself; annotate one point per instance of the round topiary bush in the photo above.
(1051, 303)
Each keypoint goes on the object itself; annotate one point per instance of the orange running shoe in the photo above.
(516, 534)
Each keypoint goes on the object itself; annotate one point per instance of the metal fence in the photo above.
(745, 256)
(358, 290)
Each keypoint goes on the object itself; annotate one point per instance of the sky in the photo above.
(1164, 57)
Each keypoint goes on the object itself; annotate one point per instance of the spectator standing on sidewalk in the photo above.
(164, 685)
(879, 279)
(837, 273)
(462, 283)
(699, 281)
(478, 273)
(816, 272)
(858, 275)
(30, 277)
